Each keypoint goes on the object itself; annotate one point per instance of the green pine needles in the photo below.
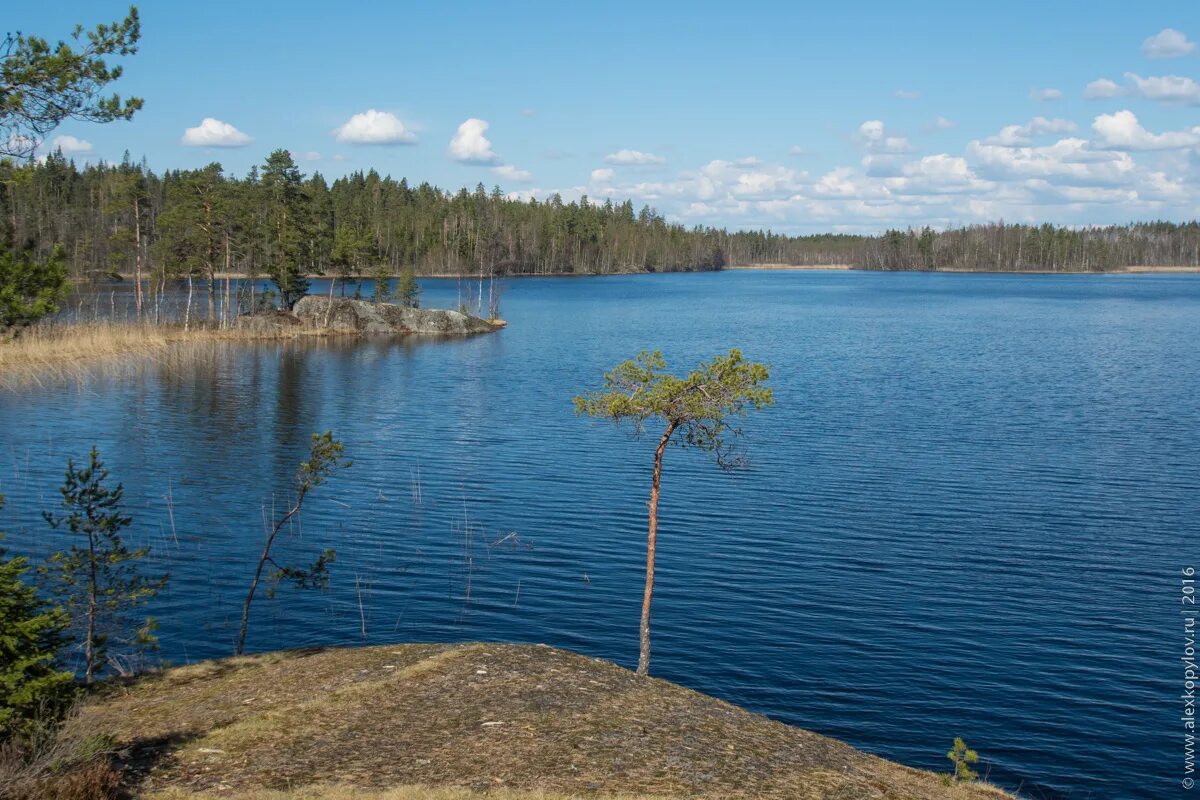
(703, 407)
(99, 584)
(962, 757)
(30, 287)
(325, 458)
(32, 687)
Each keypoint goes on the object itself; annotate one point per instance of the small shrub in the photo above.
(962, 757)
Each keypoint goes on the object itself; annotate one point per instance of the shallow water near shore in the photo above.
(966, 515)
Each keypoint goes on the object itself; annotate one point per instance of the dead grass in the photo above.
(59, 764)
(334, 792)
(54, 352)
(469, 718)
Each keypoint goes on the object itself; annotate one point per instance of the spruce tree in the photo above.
(30, 287)
(32, 687)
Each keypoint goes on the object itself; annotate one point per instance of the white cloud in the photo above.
(1101, 88)
(1122, 131)
(1045, 95)
(907, 94)
(602, 175)
(1169, 89)
(374, 127)
(311, 155)
(470, 146)
(1069, 161)
(509, 172)
(875, 138)
(70, 145)
(18, 143)
(633, 158)
(797, 150)
(1167, 43)
(214, 133)
(1018, 135)
(943, 124)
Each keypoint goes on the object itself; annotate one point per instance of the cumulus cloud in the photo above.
(633, 158)
(1045, 95)
(1122, 131)
(1167, 43)
(509, 172)
(1168, 89)
(1041, 170)
(1017, 135)
(374, 127)
(470, 146)
(214, 133)
(1069, 161)
(1101, 88)
(70, 145)
(943, 124)
(876, 139)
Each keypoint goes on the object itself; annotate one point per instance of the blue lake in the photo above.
(966, 515)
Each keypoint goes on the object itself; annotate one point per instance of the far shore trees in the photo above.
(324, 459)
(194, 227)
(100, 585)
(699, 410)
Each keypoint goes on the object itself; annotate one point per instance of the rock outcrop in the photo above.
(347, 315)
(507, 719)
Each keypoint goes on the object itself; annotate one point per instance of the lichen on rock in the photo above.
(350, 316)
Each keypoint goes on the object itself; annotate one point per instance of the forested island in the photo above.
(125, 219)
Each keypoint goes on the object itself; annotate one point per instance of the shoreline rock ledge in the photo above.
(351, 316)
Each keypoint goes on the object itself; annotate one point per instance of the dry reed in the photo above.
(53, 352)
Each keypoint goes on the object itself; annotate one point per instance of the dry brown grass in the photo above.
(51, 353)
(477, 717)
(335, 792)
(59, 764)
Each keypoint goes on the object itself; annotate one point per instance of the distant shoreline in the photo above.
(769, 267)
(1135, 270)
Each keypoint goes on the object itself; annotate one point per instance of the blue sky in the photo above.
(839, 116)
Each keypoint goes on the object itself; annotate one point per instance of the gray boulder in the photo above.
(347, 315)
(270, 322)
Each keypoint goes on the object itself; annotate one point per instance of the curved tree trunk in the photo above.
(655, 487)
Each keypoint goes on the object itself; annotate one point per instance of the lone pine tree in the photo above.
(698, 410)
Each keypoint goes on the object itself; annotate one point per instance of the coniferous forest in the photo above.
(277, 222)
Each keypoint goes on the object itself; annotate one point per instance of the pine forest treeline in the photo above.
(277, 222)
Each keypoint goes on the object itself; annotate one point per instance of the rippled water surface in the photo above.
(966, 514)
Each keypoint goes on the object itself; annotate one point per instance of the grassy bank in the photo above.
(516, 722)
